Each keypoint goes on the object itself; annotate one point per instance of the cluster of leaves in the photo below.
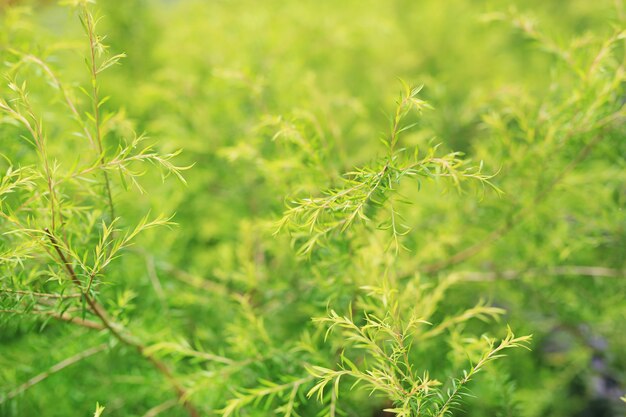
(369, 187)
(380, 351)
(386, 342)
(60, 230)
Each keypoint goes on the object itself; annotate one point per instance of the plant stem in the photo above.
(89, 23)
(515, 217)
(119, 333)
(155, 411)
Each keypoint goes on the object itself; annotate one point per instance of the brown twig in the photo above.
(119, 333)
(78, 320)
(63, 317)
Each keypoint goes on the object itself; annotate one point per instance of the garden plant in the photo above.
(315, 208)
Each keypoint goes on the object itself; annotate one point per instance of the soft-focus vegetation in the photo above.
(313, 208)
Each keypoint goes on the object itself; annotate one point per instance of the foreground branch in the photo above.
(120, 333)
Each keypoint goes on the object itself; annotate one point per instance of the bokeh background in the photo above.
(273, 99)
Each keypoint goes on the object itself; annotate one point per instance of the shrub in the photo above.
(313, 270)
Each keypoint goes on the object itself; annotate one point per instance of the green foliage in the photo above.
(387, 339)
(317, 267)
(318, 217)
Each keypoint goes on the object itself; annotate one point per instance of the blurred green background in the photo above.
(273, 99)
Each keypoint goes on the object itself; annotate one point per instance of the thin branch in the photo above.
(63, 317)
(78, 320)
(494, 353)
(57, 83)
(36, 131)
(118, 332)
(332, 410)
(39, 294)
(53, 370)
(93, 42)
(514, 218)
(196, 281)
(507, 275)
(154, 411)
(156, 283)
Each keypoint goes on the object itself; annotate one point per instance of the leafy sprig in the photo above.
(384, 337)
(314, 221)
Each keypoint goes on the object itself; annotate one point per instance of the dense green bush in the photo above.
(275, 244)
